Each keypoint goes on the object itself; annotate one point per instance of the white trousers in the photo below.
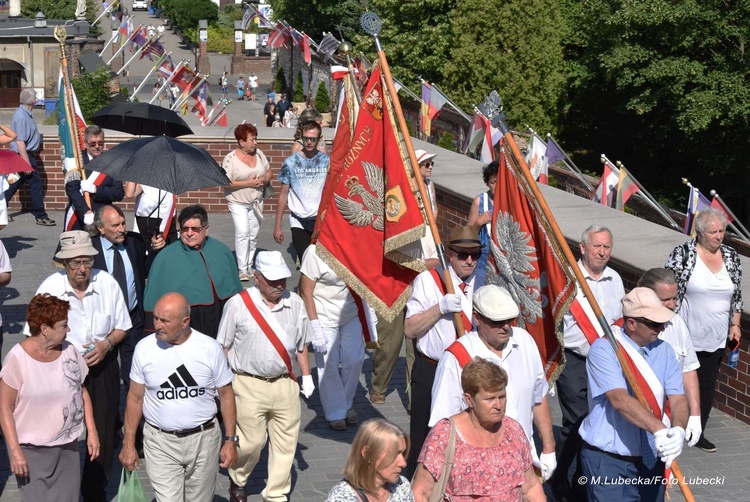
(246, 228)
(182, 469)
(339, 369)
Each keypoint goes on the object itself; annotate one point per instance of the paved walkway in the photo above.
(321, 451)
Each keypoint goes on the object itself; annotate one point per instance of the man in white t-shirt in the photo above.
(302, 177)
(176, 375)
(252, 81)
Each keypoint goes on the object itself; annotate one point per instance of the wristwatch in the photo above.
(234, 439)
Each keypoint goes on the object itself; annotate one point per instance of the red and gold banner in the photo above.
(372, 211)
(528, 267)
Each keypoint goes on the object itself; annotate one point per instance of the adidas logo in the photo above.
(180, 385)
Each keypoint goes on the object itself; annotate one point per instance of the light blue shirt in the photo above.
(23, 123)
(109, 250)
(604, 427)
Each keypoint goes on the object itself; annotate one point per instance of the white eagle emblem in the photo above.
(514, 258)
(370, 212)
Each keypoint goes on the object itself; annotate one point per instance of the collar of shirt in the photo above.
(457, 281)
(645, 349)
(29, 112)
(89, 289)
(606, 273)
(283, 303)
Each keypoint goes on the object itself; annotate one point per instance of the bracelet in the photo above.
(109, 342)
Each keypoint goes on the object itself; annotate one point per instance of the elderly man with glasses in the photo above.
(197, 266)
(302, 177)
(103, 189)
(429, 323)
(99, 322)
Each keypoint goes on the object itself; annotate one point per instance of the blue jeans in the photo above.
(35, 189)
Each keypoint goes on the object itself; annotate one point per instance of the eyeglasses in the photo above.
(76, 264)
(308, 139)
(93, 144)
(657, 326)
(427, 164)
(463, 255)
(196, 230)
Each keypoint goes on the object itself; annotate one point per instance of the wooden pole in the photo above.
(457, 321)
(524, 175)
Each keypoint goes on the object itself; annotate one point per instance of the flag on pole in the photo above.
(221, 119)
(626, 188)
(126, 28)
(67, 151)
(140, 39)
(304, 47)
(607, 188)
(437, 101)
(201, 98)
(248, 15)
(339, 72)
(424, 110)
(697, 202)
(554, 154)
(153, 49)
(183, 78)
(166, 66)
(537, 159)
(328, 46)
(719, 205)
(528, 267)
(279, 36)
(374, 206)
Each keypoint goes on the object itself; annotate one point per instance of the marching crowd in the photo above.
(208, 368)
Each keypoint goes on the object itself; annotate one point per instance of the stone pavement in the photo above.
(322, 451)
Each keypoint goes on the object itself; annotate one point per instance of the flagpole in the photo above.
(371, 24)
(167, 82)
(117, 32)
(107, 10)
(745, 234)
(61, 34)
(647, 196)
(571, 165)
(189, 91)
(453, 105)
(523, 173)
(127, 41)
(137, 53)
(159, 62)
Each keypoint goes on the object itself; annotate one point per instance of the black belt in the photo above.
(265, 379)
(209, 424)
(428, 359)
(633, 459)
(571, 353)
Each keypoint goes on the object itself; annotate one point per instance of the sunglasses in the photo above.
(651, 324)
(463, 255)
(428, 164)
(307, 139)
(92, 144)
(196, 230)
(495, 324)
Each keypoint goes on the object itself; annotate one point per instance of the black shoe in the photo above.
(10, 219)
(45, 222)
(236, 493)
(705, 445)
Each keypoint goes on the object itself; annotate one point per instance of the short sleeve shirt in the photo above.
(23, 123)
(181, 380)
(333, 303)
(305, 178)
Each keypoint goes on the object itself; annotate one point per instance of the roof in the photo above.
(18, 27)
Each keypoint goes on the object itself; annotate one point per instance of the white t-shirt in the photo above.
(253, 81)
(705, 307)
(677, 335)
(333, 302)
(181, 380)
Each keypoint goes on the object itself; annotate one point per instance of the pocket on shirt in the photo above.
(100, 324)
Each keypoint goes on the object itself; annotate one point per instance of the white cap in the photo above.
(272, 265)
(645, 304)
(495, 303)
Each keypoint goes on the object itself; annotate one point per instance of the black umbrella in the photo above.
(161, 162)
(141, 119)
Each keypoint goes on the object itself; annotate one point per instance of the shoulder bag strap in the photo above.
(438, 491)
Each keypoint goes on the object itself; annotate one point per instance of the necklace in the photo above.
(481, 437)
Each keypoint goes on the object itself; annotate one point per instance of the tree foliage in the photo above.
(59, 9)
(186, 13)
(299, 89)
(316, 16)
(322, 99)
(279, 84)
(92, 90)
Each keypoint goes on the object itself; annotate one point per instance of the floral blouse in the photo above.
(682, 262)
(344, 492)
(492, 474)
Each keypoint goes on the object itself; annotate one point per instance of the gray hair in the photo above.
(28, 96)
(655, 276)
(99, 214)
(591, 230)
(708, 215)
(92, 130)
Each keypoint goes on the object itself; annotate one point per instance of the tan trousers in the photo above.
(182, 469)
(274, 407)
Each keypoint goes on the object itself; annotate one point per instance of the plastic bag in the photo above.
(131, 489)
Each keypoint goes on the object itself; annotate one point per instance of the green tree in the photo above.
(522, 58)
(322, 99)
(186, 13)
(92, 90)
(279, 84)
(318, 16)
(60, 9)
(447, 141)
(299, 90)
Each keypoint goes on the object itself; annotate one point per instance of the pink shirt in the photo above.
(492, 474)
(49, 405)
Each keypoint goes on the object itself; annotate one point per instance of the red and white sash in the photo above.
(70, 216)
(367, 319)
(270, 327)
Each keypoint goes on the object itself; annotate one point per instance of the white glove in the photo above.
(88, 186)
(548, 463)
(693, 430)
(319, 340)
(669, 443)
(308, 387)
(450, 303)
(88, 218)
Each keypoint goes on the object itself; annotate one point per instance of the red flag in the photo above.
(716, 204)
(279, 36)
(304, 46)
(528, 267)
(424, 110)
(222, 119)
(373, 211)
